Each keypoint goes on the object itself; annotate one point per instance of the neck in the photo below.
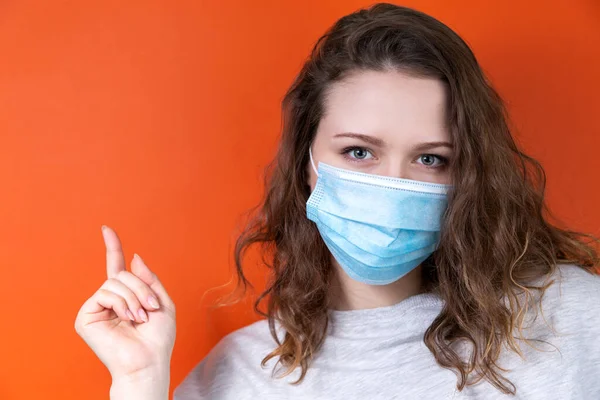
(349, 294)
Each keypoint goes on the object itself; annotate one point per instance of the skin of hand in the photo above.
(129, 322)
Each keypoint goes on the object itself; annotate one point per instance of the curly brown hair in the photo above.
(495, 238)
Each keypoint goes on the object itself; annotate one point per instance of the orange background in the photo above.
(157, 118)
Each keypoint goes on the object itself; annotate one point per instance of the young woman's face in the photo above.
(385, 123)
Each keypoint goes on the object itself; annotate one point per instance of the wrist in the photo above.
(151, 384)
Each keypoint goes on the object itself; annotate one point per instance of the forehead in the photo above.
(387, 103)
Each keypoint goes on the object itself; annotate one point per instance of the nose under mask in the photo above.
(378, 228)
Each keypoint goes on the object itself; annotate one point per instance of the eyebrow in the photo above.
(432, 145)
(380, 143)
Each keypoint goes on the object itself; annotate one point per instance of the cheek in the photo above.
(312, 178)
(313, 181)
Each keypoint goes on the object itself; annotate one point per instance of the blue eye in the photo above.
(429, 160)
(357, 153)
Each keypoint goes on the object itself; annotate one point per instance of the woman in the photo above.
(407, 239)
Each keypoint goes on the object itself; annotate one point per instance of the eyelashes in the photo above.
(350, 154)
(346, 152)
(444, 160)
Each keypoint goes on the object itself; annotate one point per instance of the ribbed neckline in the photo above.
(385, 313)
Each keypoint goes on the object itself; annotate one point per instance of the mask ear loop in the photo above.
(312, 162)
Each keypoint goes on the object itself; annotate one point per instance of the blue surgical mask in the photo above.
(378, 228)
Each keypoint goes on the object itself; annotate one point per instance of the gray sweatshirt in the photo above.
(379, 354)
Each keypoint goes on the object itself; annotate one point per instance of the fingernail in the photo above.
(103, 228)
(130, 315)
(143, 315)
(138, 257)
(153, 301)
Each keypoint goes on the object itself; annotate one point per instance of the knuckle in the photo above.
(122, 275)
(108, 283)
(122, 303)
(153, 277)
(133, 301)
(145, 290)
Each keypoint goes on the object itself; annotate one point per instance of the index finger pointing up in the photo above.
(115, 260)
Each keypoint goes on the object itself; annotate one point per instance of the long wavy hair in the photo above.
(496, 240)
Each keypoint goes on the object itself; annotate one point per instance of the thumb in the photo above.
(141, 270)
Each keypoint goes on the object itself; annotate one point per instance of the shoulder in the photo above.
(572, 301)
(240, 350)
(575, 287)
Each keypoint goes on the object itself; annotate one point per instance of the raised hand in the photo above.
(129, 322)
